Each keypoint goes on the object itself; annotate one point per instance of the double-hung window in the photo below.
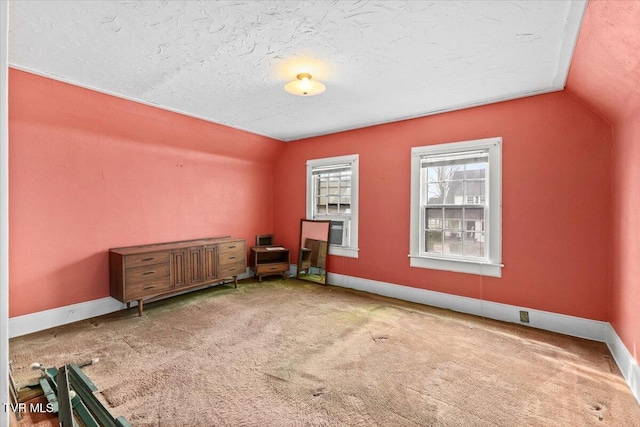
(332, 194)
(456, 207)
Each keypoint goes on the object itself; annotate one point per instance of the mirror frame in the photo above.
(302, 251)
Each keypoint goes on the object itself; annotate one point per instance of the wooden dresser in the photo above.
(143, 272)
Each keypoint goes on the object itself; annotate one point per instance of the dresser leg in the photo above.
(140, 306)
(235, 282)
(128, 305)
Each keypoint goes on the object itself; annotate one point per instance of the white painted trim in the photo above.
(345, 252)
(561, 323)
(34, 322)
(625, 361)
(354, 161)
(492, 266)
(577, 9)
(459, 266)
(4, 209)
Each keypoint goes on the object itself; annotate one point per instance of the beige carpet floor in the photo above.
(291, 353)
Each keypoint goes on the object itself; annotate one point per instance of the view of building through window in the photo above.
(454, 202)
(332, 200)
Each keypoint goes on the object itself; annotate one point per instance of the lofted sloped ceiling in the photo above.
(227, 61)
(605, 72)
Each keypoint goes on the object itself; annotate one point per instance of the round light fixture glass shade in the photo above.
(304, 86)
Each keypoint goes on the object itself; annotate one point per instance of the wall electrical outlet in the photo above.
(524, 316)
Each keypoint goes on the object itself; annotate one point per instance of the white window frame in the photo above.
(492, 266)
(346, 251)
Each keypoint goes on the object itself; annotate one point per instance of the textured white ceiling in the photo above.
(227, 61)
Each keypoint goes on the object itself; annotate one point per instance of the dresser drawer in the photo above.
(232, 257)
(231, 247)
(139, 260)
(231, 270)
(158, 273)
(147, 289)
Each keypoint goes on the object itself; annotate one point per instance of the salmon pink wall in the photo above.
(625, 300)
(556, 202)
(605, 74)
(90, 171)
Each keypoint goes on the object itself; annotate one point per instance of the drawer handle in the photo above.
(231, 269)
(231, 247)
(233, 257)
(148, 272)
(148, 259)
(273, 268)
(148, 287)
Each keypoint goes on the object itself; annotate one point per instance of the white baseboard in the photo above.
(562, 323)
(625, 361)
(34, 322)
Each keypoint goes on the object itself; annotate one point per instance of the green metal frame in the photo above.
(70, 391)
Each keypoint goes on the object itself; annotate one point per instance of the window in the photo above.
(456, 207)
(332, 194)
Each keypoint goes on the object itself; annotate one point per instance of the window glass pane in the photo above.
(452, 172)
(474, 191)
(453, 218)
(434, 174)
(433, 241)
(474, 219)
(453, 243)
(452, 184)
(332, 198)
(454, 193)
(433, 218)
(475, 170)
(435, 192)
(474, 244)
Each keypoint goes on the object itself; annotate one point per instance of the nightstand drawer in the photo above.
(274, 267)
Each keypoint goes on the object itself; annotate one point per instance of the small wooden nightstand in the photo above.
(268, 260)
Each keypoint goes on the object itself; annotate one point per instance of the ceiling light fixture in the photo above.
(304, 86)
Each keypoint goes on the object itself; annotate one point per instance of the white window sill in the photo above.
(457, 265)
(346, 252)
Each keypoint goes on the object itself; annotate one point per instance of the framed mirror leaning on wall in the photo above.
(312, 251)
